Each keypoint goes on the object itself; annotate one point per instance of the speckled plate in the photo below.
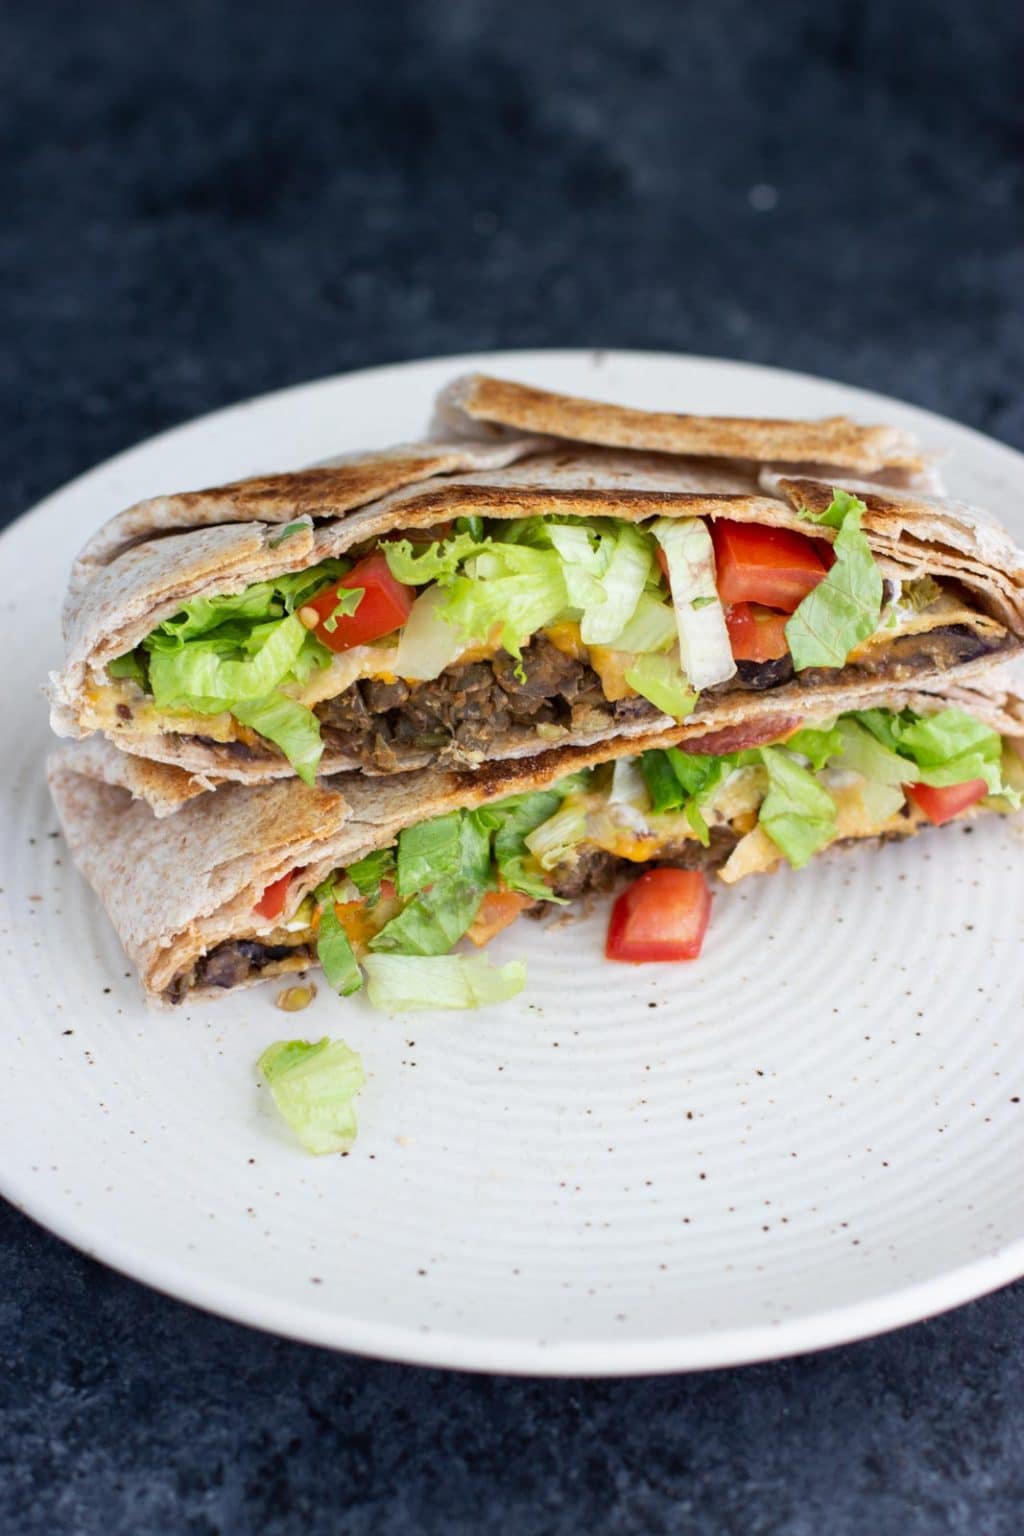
(812, 1134)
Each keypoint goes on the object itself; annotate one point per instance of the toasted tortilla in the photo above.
(174, 889)
(486, 404)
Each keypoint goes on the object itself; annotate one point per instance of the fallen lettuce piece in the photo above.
(402, 983)
(704, 647)
(313, 1086)
(845, 607)
(797, 813)
(659, 679)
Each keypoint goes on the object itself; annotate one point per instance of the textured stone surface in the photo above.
(202, 201)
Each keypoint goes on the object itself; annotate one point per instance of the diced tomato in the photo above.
(383, 607)
(773, 566)
(755, 633)
(663, 916)
(497, 910)
(941, 805)
(271, 903)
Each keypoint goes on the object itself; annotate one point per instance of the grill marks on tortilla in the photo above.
(834, 440)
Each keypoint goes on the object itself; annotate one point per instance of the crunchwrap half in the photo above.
(556, 572)
(382, 879)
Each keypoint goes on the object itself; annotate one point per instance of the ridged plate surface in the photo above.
(813, 1133)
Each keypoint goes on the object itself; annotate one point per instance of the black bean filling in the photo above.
(471, 706)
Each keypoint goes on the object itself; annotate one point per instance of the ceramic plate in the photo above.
(812, 1134)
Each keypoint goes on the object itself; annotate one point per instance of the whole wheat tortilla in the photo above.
(175, 888)
(329, 489)
(477, 404)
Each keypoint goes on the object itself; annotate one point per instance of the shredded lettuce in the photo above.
(513, 821)
(368, 873)
(651, 628)
(290, 726)
(845, 607)
(797, 813)
(234, 652)
(313, 1086)
(333, 949)
(950, 747)
(623, 583)
(415, 564)
(427, 644)
(401, 983)
(704, 647)
(457, 844)
(553, 841)
(659, 679)
(512, 587)
(818, 743)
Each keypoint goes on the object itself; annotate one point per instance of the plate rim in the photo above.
(497, 1353)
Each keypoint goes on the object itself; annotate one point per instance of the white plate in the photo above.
(812, 1134)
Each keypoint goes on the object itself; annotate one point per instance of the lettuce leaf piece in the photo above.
(290, 726)
(313, 1086)
(949, 747)
(513, 587)
(842, 506)
(200, 671)
(455, 844)
(863, 753)
(433, 921)
(845, 607)
(704, 648)
(659, 679)
(651, 628)
(514, 819)
(605, 573)
(818, 743)
(664, 788)
(333, 949)
(415, 564)
(554, 839)
(133, 664)
(402, 983)
(797, 813)
(261, 601)
(368, 873)
(699, 776)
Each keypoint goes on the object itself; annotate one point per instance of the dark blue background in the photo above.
(202, 201)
